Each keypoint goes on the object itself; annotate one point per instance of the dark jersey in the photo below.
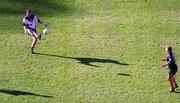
(170, 58)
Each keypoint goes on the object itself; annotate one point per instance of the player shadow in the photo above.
(88, 61)
(176, 92)
(20, 93)
(123, 74)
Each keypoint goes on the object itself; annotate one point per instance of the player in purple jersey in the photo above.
(172, 68)
(29, 24)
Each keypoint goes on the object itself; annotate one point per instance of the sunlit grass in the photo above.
(97, 51)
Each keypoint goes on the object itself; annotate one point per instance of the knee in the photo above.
(169, 78)
(34, 39)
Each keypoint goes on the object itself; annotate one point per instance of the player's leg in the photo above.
(32, 32)
(34, 41)
(174, 80)
(176, 86)
(170, 79)
(175, 70)
(37, 36)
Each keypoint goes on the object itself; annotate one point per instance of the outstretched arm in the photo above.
(42, 22)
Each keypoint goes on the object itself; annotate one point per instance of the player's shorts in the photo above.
(172, 69)
(31, 30)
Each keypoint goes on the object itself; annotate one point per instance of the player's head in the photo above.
(168, 48)
(28, 12)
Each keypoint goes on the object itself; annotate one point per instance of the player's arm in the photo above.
(168, 62)
(23, 22)
(24, 26)
(42, 22)
(165, 64)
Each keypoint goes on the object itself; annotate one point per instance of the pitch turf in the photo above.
(97, 51)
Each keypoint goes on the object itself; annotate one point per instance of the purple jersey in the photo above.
(172, 67)
(30, 21)
(170, 58)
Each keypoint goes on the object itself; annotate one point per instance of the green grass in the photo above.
(77, 61)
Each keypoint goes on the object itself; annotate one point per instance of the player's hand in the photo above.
(163, 65)
(44, 23)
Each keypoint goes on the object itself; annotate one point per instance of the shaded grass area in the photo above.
(40, 7)
(12, 11)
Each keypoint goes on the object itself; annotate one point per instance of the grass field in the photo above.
(97, 51)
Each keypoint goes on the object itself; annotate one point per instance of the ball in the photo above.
(45, 31)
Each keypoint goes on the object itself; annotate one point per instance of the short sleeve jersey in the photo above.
(30, 21)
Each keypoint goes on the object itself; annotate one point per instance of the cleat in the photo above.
(172, 90)
(176, 86)
(31, 50)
